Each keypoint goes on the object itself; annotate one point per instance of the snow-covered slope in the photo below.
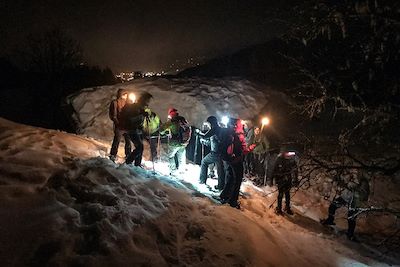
(62, 203)
(195, 99)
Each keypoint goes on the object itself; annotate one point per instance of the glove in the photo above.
(252, 146)
(197, 131)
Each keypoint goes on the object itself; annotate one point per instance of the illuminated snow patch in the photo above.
(189, 174)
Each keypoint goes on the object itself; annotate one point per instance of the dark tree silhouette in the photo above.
(51, 53)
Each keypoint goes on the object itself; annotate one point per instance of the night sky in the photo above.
(141, 35)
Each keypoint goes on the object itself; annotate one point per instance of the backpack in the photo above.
(111, 110)
(132, 117)
(185, 131)
(230, 145)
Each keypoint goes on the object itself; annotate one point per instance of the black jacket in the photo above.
(132, 117)
(212, 138)
(285, 170)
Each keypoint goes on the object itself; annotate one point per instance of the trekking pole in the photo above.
(202, 151)
(152, 159)
(196, 147)
(168, 135)
(265, 163)
(265, 178)
(273, 202)
(159, 146)
(147, 131)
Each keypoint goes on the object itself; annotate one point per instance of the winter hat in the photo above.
(232, 122)
(121, 92)
(212, 120)
(145, 96)
(172, 112)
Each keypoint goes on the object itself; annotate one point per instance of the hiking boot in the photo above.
(235, 205)
(220, 199)
(352, 238)
(113, 158)
(289, 211)
(327, 222)
(217, 188)
(278, 211)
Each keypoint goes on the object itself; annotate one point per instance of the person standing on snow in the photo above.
(259, 156)
(115, 109)
(234, 148)
(151, 125)
(354, 197)
(285, 173)
(179, 132)
(212, 138)
(133, 116)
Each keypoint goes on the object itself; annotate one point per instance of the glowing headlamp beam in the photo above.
(132, 97)
(225, 120)
(265, 121)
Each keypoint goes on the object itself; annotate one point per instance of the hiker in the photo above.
(285, 173)
(179, 133)
(233, 149)
(151, 125)
(353, 197)
(115, 109)
(133, 116)
(211, 138)
(258, 158)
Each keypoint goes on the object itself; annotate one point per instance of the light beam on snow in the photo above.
(190, 174)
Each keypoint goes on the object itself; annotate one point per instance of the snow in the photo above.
(63, 202)
(195, 99)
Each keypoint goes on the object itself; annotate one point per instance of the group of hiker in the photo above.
(235, 149)
(136, 122)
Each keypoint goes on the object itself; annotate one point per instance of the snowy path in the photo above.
(64, 203)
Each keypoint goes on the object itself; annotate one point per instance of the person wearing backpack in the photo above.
(233, 150)
(133, 116)
(259, 156)
(285, 173)
(151, 125)
(211, 138)
(354, 197)
(114, 113)
(179, 133)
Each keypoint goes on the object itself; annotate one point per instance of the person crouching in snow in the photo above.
(115, 109)
(233, 150)
(285, 173)
(179, 132)
(212, 138)
(133, 116)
